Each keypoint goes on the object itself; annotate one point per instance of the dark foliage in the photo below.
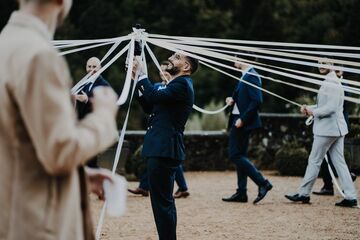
(302, 21)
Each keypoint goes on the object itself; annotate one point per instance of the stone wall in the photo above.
(208, 150)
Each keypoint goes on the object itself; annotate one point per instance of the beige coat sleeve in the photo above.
(61, 142)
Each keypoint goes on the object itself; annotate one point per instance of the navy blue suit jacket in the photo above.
(147, 106)
(248, 100)
(84, 108)
(170, 108)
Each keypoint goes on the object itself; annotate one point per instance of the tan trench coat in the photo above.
(42, 144)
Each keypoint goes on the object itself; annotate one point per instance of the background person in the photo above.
(329, 130)
(245, 118)
(328, 188)
(83, 103)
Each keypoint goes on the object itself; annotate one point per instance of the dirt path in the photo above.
(204, 216)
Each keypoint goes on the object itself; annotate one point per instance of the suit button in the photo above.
(148, 128)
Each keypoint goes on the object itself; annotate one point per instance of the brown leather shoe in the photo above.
(139, 191)
(181, 194)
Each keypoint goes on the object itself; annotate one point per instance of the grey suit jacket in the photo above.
(328, 113)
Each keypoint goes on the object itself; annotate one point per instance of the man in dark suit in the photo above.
(163, 143)
(143, 188)
(83, 103)
(245, 118)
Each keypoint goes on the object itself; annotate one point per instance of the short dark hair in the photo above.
(249, 56)
(194, 63)
(339, 65)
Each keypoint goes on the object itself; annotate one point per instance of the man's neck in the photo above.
(244, 67)
(45, 13)
(179, 74)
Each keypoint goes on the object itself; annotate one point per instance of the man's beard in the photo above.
(325, 71)
(173, 70)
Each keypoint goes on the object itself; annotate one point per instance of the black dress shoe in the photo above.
(353, 176)
(298, 198)
(325, 192)
(237, 197)
(263, 190)
(347, 203)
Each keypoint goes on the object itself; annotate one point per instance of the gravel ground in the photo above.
(204, 216)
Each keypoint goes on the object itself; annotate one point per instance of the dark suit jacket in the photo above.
(84, 108)
(147, 106)
(248, 100)
(170, 108)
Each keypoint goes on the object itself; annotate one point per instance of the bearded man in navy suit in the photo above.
(163, 146)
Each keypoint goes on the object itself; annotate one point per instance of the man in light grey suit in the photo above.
(329, 130)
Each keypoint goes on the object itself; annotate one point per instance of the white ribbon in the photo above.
(170, 47)
(304, 63)
(334, 178)
(266, 43)
(309, 120)
(346, 88)
(84, 48)
(233, 59)
(73, 43)
(332, 54)
(92, 78)
(121, 138)
(208, 111)
(253, 85)
(263, 51)
(151, 53)
(125, 92)
(111, 50)
(173, 47)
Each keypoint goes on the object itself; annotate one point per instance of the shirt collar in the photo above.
(247, 70)
(331, 76)
(30, 21)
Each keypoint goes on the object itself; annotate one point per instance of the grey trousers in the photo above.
(335, 147)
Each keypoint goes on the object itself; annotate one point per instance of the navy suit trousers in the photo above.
(161, 175)
(238, 145)
(179, 179)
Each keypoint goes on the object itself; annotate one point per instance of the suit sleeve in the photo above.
(145, 105)
(62, 143)
(104, 83)
(333, 97)
(312, 107)
(174, 92)
(234, 95)
(255, 96)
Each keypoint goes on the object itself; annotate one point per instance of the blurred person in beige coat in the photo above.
(43, 146)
